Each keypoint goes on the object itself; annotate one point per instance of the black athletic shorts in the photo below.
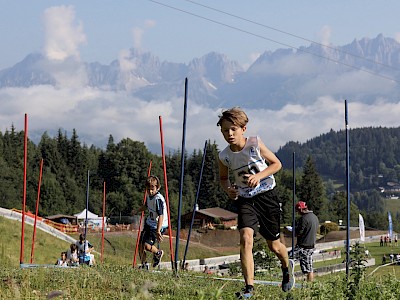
(262, 213)
(148, 235)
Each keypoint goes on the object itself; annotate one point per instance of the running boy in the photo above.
(156, 222)
(258, 205)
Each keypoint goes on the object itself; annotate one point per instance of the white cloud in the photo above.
(397, 37)
(138, 31)
(96, 114)
(63, 34)
(324, 35)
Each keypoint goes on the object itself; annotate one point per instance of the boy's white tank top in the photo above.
(247, 161)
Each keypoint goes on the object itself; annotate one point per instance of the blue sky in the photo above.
(97, 30)
(111, 26)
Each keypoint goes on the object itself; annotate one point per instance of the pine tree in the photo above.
(311, 188)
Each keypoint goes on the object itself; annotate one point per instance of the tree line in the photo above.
(123, 166)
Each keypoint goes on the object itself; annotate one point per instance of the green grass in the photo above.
(116, 279)
(392, 205)
(118, 249)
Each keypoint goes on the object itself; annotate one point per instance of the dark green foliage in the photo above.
(357, 274)
(123, 167)
(311, 188)
(325, 228)
(374, 156)
(264, 259)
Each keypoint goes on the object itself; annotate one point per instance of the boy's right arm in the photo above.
(225, 182)
(140, 209)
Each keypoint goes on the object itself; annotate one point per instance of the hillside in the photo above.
(374, 157)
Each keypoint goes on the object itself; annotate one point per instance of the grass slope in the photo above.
(116, 279)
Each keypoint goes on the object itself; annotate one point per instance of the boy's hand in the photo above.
(159, 236)
(252, 180)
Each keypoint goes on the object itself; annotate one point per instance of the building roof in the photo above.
(60, 216)
(217, 212)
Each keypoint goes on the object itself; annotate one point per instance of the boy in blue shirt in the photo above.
(156, 222)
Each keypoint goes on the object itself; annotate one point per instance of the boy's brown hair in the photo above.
(153, 180)
(234, 115)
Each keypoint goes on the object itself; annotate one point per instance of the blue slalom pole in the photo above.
(181, 179)
(348, 191)
(195, 203)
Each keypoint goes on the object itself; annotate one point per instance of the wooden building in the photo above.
(210, 217)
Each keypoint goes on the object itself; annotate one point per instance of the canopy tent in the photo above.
(93, 219)
(90, 215)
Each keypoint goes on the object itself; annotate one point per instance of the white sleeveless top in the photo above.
(154, 204)
(247, 161)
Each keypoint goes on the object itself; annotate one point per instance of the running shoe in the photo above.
(157, 258)
(245, 293)
(288, 277)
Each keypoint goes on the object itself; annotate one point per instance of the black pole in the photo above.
(294, 204)
(348, 192)
(195, 204)
(181, 180)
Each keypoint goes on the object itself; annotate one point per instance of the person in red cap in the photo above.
(306, 232)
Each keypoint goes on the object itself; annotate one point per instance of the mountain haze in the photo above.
(300, 90)
(272, 81)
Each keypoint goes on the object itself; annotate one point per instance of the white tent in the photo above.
(82, 215)
(93, 219)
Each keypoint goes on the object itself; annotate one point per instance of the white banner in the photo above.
(362, 227)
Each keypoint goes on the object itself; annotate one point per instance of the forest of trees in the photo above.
(123, 167)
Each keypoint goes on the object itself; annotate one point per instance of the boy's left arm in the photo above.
(274, 165)
(159, 227)
(160, 212)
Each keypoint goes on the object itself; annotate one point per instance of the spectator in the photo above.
(306, 231)
(62, 261)
(84, 250)
(72, 255)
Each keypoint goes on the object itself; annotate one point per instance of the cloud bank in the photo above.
(96, 114)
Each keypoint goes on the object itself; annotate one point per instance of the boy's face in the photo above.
(232, 133)
(152, 189)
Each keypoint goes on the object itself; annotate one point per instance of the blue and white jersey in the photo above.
(247, 161)
(156, 207)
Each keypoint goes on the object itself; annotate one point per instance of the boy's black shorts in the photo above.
(262, 213)
(148, 235)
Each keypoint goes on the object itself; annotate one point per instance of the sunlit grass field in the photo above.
(116, 279)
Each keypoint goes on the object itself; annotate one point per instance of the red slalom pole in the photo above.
(103, 223)
(37, 210)
(141, 218)
(21, 255)
(171, 249)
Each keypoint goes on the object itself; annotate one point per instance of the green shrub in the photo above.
(325, 228)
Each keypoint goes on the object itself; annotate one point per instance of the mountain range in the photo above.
(365, 70)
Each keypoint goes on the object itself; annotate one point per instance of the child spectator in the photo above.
(156, 222)
(72, 255)
(62, 261)
(84, 250)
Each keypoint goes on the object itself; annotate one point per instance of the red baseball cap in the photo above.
(301, 205)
